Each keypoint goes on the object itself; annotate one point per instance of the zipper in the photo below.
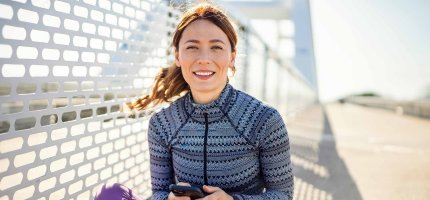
(205, 145)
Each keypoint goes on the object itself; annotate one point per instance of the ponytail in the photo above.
(168, 83)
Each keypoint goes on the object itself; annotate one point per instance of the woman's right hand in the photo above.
(173, 197)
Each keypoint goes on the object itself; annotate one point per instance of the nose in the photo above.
(204, 58)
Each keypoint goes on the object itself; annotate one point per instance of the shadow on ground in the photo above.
(319, 171)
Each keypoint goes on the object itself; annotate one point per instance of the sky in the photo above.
(381, 46)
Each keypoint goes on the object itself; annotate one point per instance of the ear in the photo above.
(233, 58)
(177, 63)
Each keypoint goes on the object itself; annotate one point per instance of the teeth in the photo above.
(204, 73)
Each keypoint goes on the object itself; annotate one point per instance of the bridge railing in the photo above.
(419, 108)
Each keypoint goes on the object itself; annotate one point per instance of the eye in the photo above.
(191, 47)
(217, 47)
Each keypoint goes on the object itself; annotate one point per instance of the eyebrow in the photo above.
(211, 41)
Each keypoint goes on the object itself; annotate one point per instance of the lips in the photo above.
(204, 75)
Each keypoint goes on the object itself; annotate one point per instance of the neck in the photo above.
(202, 97)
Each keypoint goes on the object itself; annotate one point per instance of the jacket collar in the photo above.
(215, 109)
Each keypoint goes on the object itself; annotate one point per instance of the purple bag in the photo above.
(116, 192)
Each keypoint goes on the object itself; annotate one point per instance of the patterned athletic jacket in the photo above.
(236, 143)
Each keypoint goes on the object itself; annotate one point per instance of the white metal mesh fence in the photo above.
(66, 69)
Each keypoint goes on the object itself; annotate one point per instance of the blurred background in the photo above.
(350, 78)
(372, 47)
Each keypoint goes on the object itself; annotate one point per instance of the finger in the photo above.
(173, 197)
(210, 189)
(208, 197)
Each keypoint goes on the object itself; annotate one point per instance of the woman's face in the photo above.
(204, 55)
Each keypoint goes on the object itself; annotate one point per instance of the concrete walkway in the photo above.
(345, 151)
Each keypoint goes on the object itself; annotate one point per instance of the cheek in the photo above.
(223, 61)
(186, 58)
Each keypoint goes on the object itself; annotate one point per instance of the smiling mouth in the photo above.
(204, 73)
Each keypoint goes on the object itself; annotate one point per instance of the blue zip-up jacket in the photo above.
(236, 143)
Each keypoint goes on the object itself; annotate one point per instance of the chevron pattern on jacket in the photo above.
(247, 150)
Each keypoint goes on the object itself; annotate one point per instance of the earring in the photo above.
(232, 70)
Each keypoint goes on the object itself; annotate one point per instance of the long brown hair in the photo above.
(169, 82)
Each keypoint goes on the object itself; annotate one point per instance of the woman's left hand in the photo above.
(215, 193)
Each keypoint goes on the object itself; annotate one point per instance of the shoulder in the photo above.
(165, 121)
(251, 116)
(247, 104)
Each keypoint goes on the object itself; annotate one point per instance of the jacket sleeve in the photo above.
(160, 161)
(275, 161)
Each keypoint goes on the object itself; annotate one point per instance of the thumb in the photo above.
(210, 189)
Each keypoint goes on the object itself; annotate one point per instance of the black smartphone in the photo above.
(189, 191)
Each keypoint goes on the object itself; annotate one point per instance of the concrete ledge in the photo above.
(419, 108)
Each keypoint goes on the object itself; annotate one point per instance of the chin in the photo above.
(204, 87)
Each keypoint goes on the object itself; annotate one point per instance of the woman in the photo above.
(213, 136)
